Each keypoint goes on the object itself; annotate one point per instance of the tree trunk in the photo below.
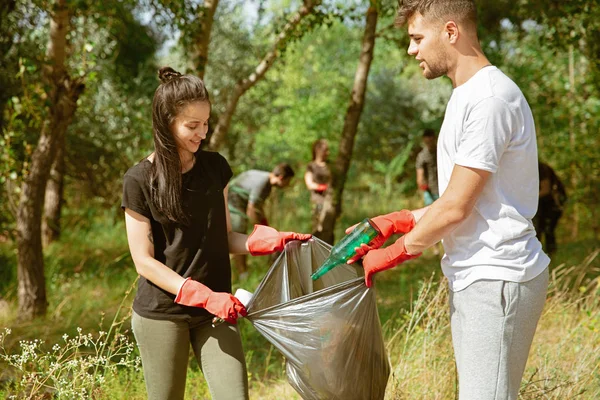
(573, 143)
(205, 19)
(62, 95)
(353, 113)
(54, 195)
(218, 136)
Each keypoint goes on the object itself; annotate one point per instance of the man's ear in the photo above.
(451, 31)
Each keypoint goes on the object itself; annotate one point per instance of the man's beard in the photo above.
(438, 66)
(435, 71)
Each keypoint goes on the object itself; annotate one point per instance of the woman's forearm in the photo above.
(238, 243)
(159, 274)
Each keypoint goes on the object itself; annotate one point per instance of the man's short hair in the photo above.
(284, 170)
(428, 132)
(461, 11)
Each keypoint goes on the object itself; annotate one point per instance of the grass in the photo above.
(563, 363)
(89, 273)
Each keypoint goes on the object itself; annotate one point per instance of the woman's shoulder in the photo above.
(214, 164)
(315, 166)
(140, 170)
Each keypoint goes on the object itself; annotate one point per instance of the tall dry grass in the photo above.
(564, 361)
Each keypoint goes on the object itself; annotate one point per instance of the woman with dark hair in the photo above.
(318, 181)
(180, 237)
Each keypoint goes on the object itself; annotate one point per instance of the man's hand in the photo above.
(220, 304)
(266, 240)
(381, 259)
(397, 222)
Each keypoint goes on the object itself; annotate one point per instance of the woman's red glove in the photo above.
(266, 240)
(220, 304)
(402, 221)
(321, 187)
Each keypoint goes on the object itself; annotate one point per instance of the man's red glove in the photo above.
(386, 258)
(402, 221)
(321, 187)
(220, 304)
(424, 187)
(266, 240)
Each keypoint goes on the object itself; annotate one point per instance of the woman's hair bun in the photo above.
(167, 74)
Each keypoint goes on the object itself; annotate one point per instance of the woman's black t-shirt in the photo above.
(200, 250)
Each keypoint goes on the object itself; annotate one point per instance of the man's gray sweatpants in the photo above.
(493, 323)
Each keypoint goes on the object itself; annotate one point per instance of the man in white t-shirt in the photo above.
(488, 181)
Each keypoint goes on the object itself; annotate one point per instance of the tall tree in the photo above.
(287, 33)
(53, 199)
(62, 94)
(205, 22)
(110, 25)
(333, 203)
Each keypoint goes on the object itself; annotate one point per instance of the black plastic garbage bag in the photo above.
(328, 330)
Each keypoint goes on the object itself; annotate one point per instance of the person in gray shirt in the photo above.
(247, 194)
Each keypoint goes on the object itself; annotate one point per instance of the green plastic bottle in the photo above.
(363, 233)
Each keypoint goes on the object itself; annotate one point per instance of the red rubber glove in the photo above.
(321, 187)
(424, 187)
(402, 221)
(220, 304)
(382, 259)
(266, 240)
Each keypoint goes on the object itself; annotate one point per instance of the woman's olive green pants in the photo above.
(165, 345)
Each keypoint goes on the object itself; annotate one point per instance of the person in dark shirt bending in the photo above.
(180, 237)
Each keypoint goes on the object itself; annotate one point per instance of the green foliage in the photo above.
(22, 99)
(90, 273)
(566, 107)
(296, 104)
(114, 52)
(112, 131)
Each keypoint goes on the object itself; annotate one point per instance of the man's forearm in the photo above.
(449, 211)
(433, 223)
(418, 213)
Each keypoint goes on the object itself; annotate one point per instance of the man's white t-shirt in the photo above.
(488, 125)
